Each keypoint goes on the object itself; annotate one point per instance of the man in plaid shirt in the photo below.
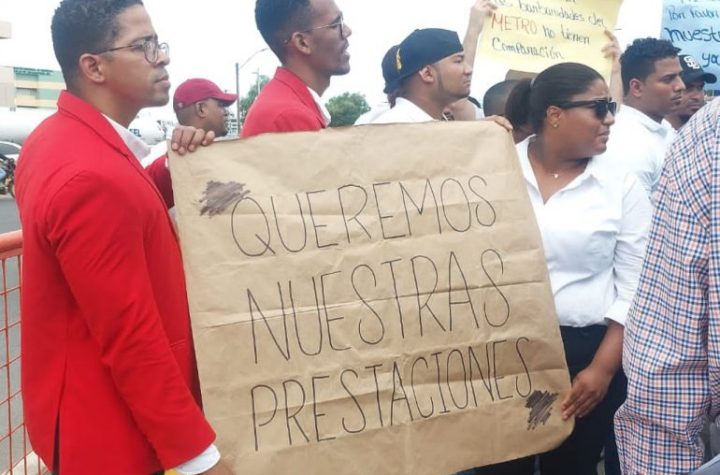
(672, 336)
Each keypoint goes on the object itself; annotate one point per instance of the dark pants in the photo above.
(580, 453)
(612, 459)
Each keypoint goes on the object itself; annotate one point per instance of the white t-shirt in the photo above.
(404, 112)
(639, 144)
(370, 116)
(594, 232)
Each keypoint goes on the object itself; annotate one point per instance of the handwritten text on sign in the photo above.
(344, 309)
(694, 26)
(531, 35)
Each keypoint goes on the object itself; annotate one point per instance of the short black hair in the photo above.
(278, 19)
(495, 98)
(85, 26)
(638, 60)
(529, 100)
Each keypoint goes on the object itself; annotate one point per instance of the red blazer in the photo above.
(284, 105)
(108, 359)
(158, 171)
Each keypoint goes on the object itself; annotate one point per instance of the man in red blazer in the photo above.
(311, 40)
(109, 377)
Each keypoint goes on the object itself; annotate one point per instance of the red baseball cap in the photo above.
(196, 90)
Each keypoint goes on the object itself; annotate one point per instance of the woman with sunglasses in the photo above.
(594, 222)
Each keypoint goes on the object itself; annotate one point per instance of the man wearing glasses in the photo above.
(311, 41)
(110, 383)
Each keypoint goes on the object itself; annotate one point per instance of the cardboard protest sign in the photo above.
(694, 26)
(532, 35)
(370, 300)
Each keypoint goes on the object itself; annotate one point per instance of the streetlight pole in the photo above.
(238, 67)
(237, 91)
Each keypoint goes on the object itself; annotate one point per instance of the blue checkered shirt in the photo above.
(672, 335)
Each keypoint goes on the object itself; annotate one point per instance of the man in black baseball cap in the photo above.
(429, 74)
(693, 97)
(430, 71)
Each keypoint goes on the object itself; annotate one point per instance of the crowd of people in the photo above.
(623, 179)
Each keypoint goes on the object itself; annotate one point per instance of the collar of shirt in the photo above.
(662, 129)
(138, 148)
(594, 169)
(321, 106)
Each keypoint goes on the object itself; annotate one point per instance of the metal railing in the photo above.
(16, 456)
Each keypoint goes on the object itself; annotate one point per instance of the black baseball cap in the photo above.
(389, 71)
(692, 71)
(420, 48)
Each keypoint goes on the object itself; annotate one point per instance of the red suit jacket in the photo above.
(284, 105)
(108, 360)
(158, 171)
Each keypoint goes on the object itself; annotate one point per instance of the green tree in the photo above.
(346, 108)
(247, 100)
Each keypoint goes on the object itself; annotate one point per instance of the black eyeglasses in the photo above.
(601, 106)
(340, 24)
(150, 47)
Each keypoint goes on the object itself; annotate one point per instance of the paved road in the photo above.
(9, 220)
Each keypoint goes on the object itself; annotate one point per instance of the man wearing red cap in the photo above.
(311, 41)
(199, 103)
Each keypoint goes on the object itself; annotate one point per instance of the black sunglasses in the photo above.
(601, 106)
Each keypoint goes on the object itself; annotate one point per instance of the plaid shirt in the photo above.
(672, 335)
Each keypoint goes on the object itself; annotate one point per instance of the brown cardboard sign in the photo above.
(370, 300)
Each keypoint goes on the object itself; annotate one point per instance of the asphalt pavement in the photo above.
(9, 219)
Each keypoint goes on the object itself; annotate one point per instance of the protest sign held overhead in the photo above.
(367, 295)
(531, 35)
(694, 26)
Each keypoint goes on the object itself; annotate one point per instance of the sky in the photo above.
(208, 37)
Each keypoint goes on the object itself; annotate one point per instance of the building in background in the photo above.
(7, 76)
(37, 88)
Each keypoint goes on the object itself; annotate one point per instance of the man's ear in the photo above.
(427, 74)
(201, 109)
(300, 41)
(636, 87)
(91, 66)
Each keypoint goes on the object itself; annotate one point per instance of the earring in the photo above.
(555, 125)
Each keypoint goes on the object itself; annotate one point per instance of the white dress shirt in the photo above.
(639, 144)
(321, 105)
(210, 456)
(404, 112)
(594, 232)
(140, 149)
